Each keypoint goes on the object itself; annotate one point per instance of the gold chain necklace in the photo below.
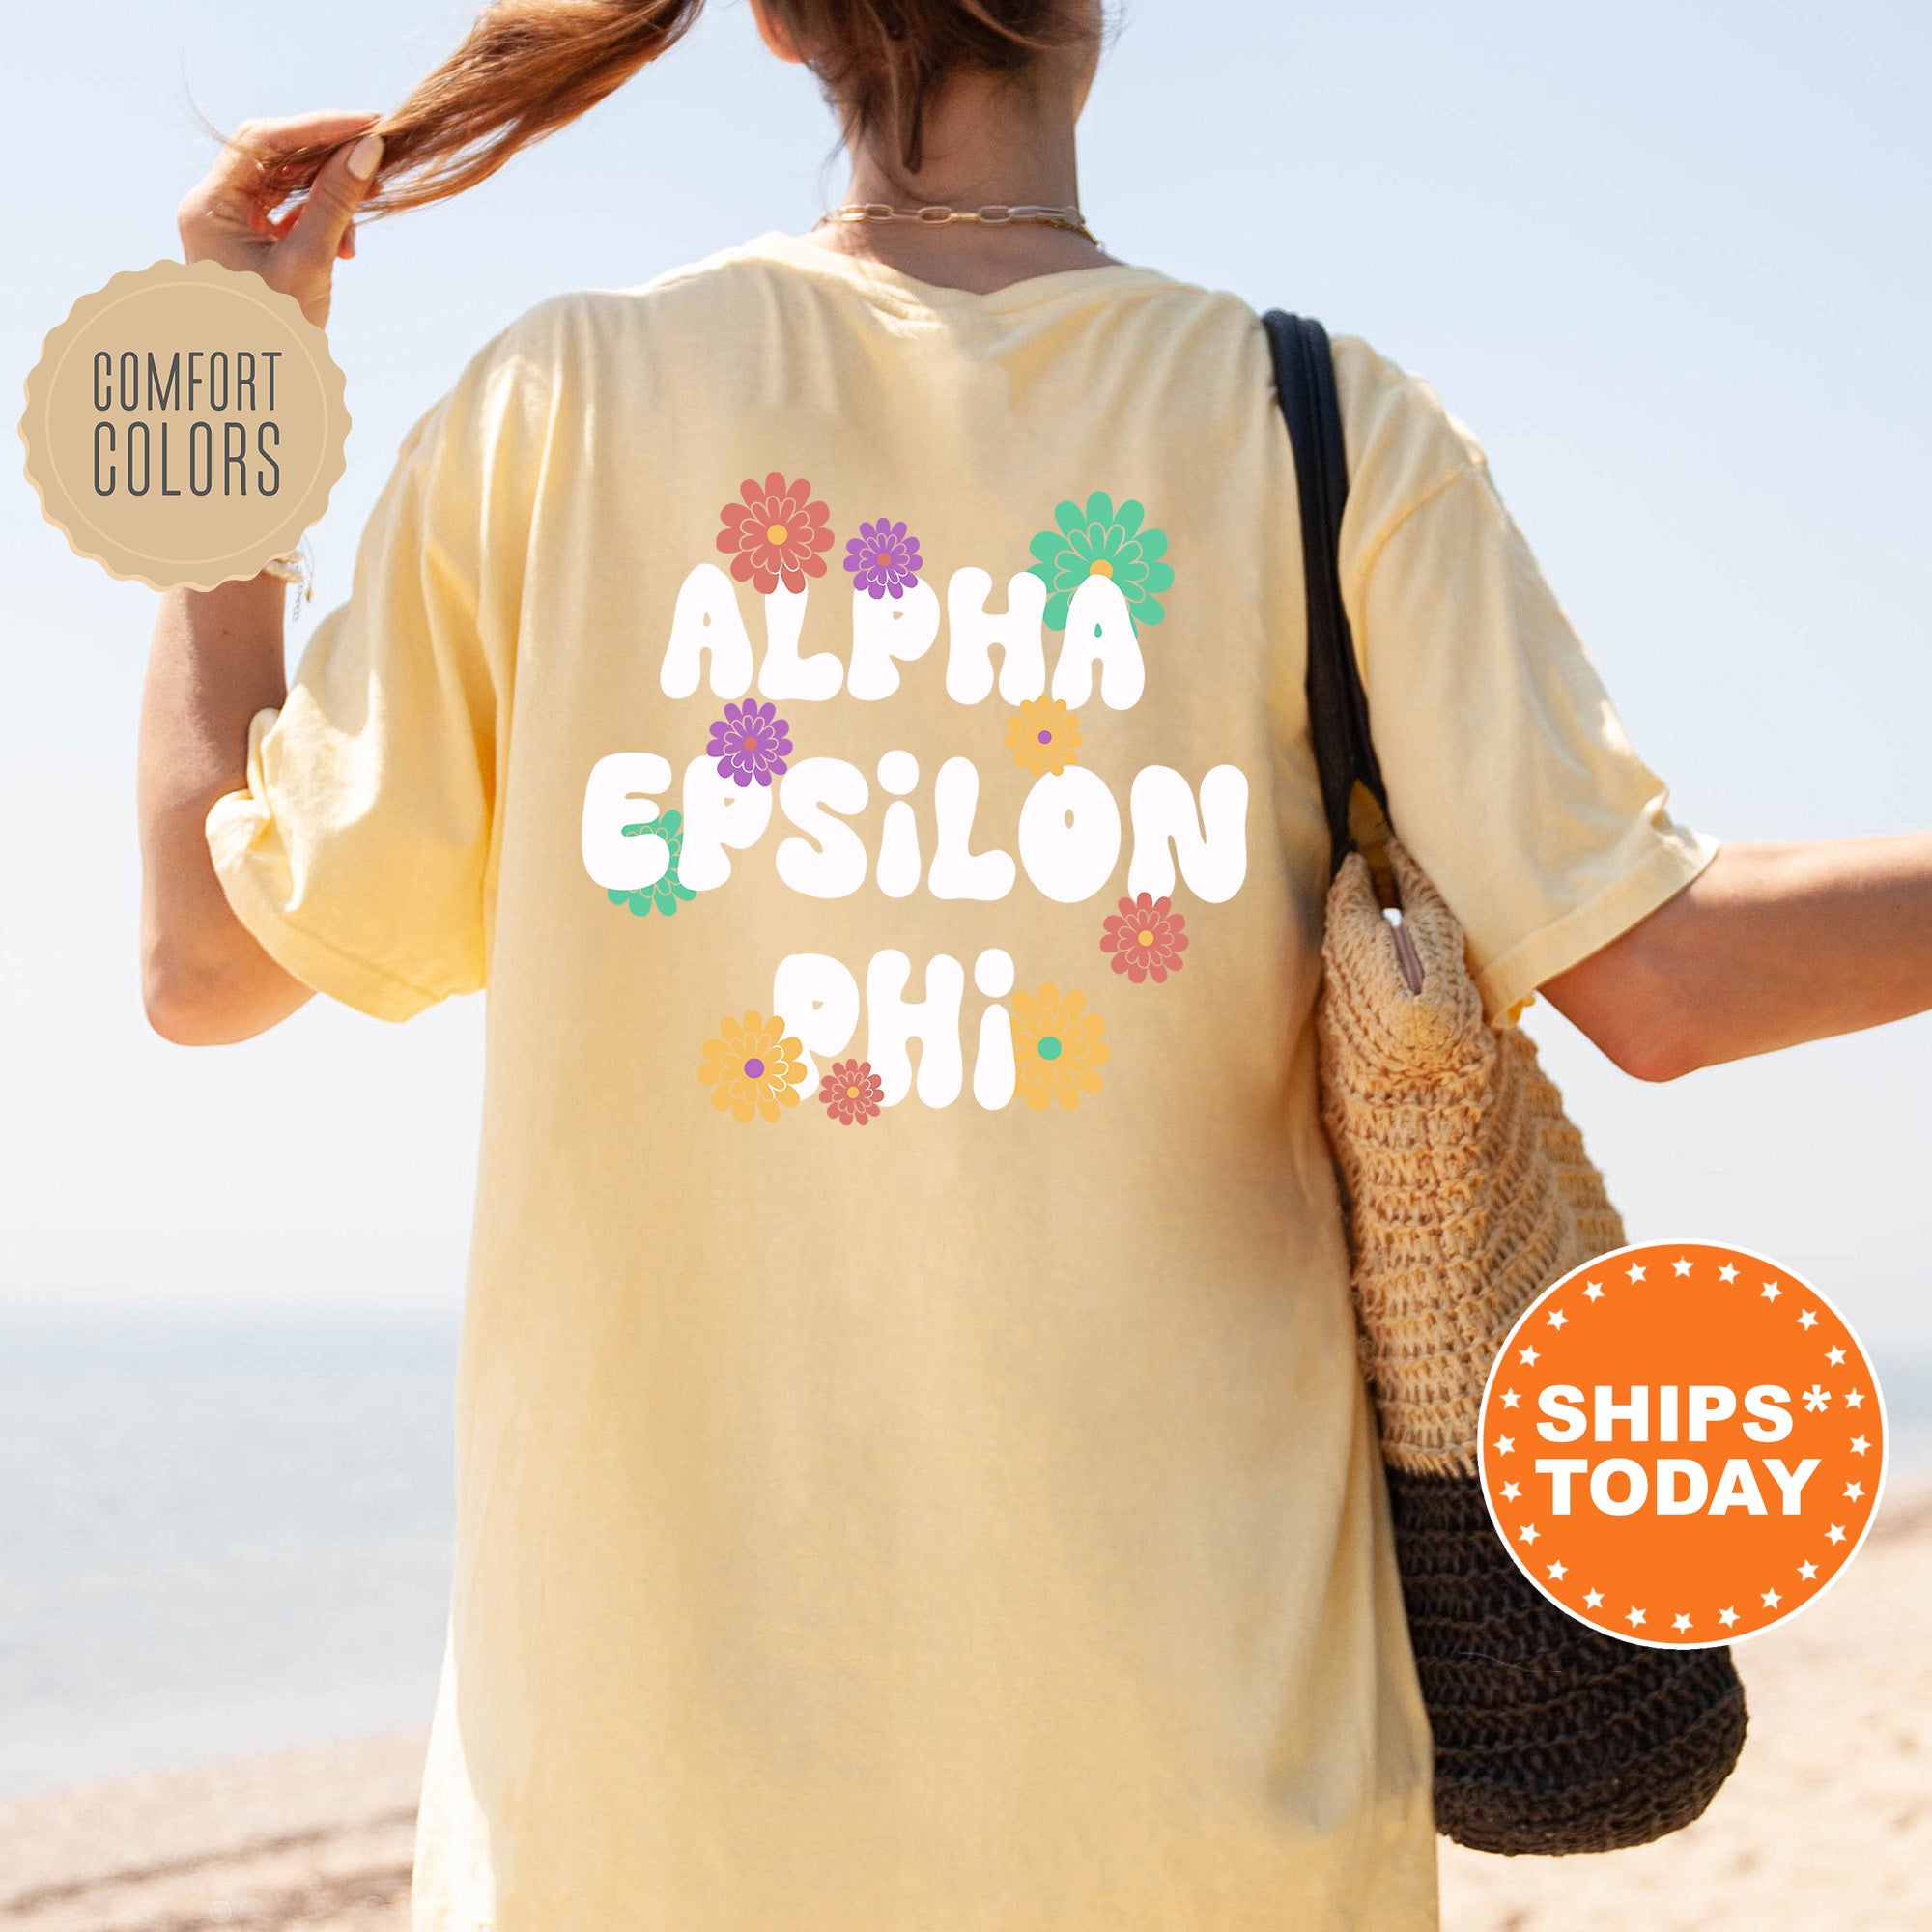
(997, 215)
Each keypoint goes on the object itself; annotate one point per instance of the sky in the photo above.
(1670, 262)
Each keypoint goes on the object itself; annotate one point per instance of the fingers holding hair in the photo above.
(234, 216)
(322, 228)
(244, 186)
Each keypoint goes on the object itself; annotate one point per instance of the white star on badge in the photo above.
(1528, 1533)
(1527, 1355)
(1512, 1490)
(1853, 1400)
(1727, 1616)
(1511, 1398)
(1807, 1571)
(1557, 1573)
(1853, 1490)
(1680, 1267)
(1594, 1293)
(1728, 1272)
(1835, 1356)
(1808, 1320)
(1635, 1272)
(1680, 1622)
(1860, 1444)
(1592, 1598)
(1770, 1291)
(1634, 1618)
(1817, 1398)
(1558, 1318)
(1772, 1599)
(1836, 1534)
(1505, 1445)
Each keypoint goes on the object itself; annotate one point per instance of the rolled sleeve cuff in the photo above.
(316, 963)
(253, 868)
(1671, 863)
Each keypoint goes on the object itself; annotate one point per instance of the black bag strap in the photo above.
(1338, 707)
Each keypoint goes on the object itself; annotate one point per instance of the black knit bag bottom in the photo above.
(1549, 1737)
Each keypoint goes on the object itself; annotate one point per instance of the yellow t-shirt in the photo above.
(914, 1474)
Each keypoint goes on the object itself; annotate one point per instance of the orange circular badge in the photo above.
(1682, 1443)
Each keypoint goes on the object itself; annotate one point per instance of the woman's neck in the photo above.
(987, 144)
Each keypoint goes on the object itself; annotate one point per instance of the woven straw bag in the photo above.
(1468, 1192)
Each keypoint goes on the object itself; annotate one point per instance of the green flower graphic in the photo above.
(1102, 541)
(668, 889)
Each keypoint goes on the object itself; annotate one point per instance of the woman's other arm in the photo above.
(1768, 945)
(217, 657)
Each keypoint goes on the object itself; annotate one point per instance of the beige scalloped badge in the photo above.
(184, 424)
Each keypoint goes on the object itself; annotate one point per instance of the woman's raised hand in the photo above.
(230, 216)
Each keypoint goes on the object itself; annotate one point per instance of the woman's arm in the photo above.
(215, 660)
(1768, 945)
(217, 657)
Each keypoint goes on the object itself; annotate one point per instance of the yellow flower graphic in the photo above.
(1058, 1045)
(755, 1066)
(1042, 736)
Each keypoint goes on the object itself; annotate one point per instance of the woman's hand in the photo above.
(230, 216)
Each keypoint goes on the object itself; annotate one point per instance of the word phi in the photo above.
(818, 998)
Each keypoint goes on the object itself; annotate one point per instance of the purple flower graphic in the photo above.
(883, 559)
(749, 742)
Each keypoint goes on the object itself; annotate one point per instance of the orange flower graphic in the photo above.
(1043, 736)
(1058, 1046)
(755, 1066)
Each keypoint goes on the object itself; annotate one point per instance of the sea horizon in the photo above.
(223, 1530)
(226, 1531)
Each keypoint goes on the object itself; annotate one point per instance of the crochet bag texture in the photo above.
(1468, 1192)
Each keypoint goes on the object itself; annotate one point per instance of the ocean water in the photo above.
(220, 1532)
(228, 1532)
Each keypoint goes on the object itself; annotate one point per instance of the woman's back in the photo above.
(910, 1414)
(915, 1467)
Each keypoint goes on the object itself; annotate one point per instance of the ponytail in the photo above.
(527, 68)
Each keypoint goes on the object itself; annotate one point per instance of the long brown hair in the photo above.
(527, 68)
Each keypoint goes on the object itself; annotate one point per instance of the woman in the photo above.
(913, 1469)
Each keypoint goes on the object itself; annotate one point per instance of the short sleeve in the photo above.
(1511, 779)
(361, 854)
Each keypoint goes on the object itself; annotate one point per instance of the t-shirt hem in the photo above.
(1677, 859)
(315, 962)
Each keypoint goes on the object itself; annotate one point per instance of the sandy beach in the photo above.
(1827, 1824)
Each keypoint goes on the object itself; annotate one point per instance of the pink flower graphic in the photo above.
(1146, 936)
(852, 1092)
(778, 534)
